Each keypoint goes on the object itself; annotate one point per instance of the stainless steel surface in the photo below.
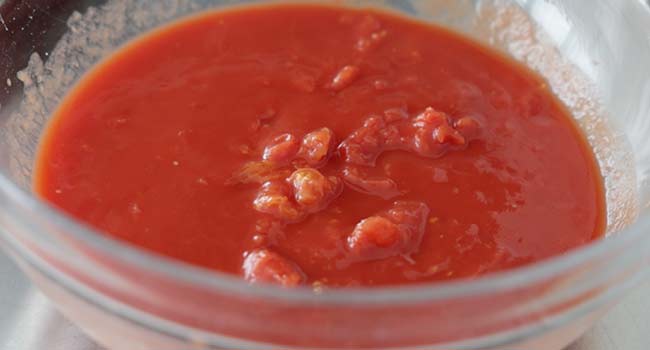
(29, 322)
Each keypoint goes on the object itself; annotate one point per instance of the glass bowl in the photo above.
(595, 57)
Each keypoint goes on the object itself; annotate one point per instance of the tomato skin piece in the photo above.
(382, 187)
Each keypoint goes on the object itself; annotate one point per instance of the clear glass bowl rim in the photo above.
(635, 235)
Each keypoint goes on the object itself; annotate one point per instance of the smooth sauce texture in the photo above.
(146, 146)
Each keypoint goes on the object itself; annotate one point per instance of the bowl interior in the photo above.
(594, 63)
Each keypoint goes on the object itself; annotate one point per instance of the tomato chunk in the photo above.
(365, 144)
(397, 231)
(274, 198)
(430, 134)
(304, 192)
(435, 134)
(344, 77)
(263, 265)
(312, 190)
(317, 147)
(376, 237)
(282, 149)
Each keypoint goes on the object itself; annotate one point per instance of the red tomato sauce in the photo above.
(325, 146)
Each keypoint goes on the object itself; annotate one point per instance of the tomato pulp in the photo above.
(326, 146)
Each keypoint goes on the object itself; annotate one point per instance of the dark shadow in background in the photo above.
(28, 26)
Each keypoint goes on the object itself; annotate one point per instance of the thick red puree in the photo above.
(320, 145)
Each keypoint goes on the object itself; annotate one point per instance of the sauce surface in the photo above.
(321, 145)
